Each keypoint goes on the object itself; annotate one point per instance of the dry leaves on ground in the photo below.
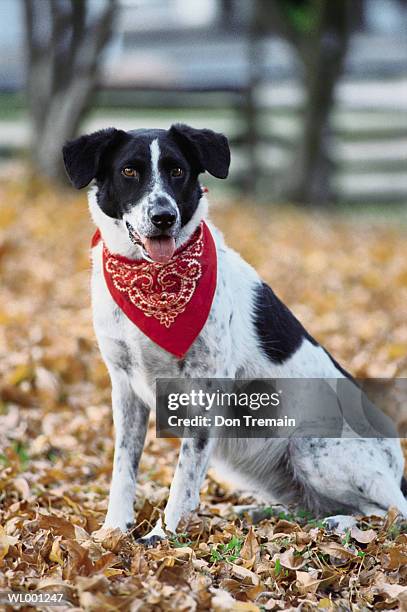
(346, 280)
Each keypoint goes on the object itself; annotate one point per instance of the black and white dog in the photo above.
(147, 202)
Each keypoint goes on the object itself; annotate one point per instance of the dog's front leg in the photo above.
(130, 417)
(190, 472)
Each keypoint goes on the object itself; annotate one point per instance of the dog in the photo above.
(147, 203)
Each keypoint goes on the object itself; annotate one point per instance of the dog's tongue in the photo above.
(160, 249)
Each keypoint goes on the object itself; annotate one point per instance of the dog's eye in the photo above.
(177, 172)
(130, 173)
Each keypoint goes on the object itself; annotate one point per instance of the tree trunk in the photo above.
(308, 179)
(63, 56)
(250, 178)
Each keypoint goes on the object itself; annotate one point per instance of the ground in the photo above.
(345, 277)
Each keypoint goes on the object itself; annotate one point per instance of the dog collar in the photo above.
(169, 303)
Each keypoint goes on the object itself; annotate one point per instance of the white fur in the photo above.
(139, 216)
(221, 354)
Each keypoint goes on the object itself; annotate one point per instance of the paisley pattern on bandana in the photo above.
(169, 303)
(161, 291)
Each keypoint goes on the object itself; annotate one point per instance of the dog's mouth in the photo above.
(157, 249)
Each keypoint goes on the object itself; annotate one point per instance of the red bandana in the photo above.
(170, 302)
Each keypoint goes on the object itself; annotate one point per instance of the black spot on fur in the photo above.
(188, 493)
(123, 359)
(134, 464)
(331, 524)
(200, 443)
(280, 333)
(150, 541)
(117, 314)
(390, 457)
(403, 486)
(339, 367)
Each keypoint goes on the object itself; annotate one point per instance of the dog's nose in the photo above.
(163, 219)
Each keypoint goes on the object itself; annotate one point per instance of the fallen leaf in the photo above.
(337, 550)
(364, 537)
(57, 525)
(5, 542)
(290, 559)
(250, 546)
(325, 603)
(244, 574)
(306, 582)
(22, 486)
(56, 552)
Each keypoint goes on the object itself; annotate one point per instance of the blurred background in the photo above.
(313, 97)
(312, 94)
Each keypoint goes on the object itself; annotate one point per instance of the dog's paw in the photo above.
(124, 526)
(150, 540)
(154, 536)
(119, 518)
(340, 523)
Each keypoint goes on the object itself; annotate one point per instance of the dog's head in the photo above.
(147, 181)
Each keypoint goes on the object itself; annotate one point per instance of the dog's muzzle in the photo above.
(163, 220)
(155, 249)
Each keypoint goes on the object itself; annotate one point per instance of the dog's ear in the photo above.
(82, 156)
(209, 150)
